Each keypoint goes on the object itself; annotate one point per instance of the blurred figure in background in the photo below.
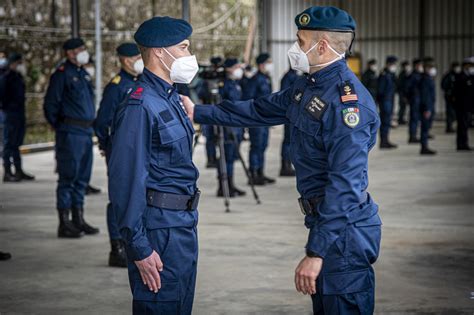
(427, 104)
(464, 103)
(413, 86)
(385, 97)
(370, 77)
(402, 88)
(448, 84)
(15, 119)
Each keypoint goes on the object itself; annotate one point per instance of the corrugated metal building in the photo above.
(443, 29)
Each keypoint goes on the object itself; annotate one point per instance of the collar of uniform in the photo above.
(72, 66)
(327, 72)
(163, 87)
(127, 75)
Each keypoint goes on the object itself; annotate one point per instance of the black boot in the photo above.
(427, 151)
(78, 220)
(220, 191)
(211, 162)
(91, 190)
(8, 177)
(66, 229)
(5, 256)
(286, 169)
(385, 144)
(266, 179)
(24, 176)
(413, 139)
(256, 179)
(235, 192)
(117, 255)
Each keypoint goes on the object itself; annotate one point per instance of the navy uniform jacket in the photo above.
(334, 126)
(288, 79)
(369, 79)
(448, 84)
(231, 90)
(413, 87)
(114, 93)
(386, 86)
(464, 92)
(14, 97)
(428, 93)
(151, 149)
(70, 95)
(402, 84)
(262, 85)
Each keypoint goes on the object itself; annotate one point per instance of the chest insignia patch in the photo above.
(298, 96)
(316, 107)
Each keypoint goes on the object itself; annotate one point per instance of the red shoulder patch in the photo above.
(137, 94)
(61, 68)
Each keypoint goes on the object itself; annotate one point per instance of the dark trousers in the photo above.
(13, 135)
(402, 103)
(346, 284)
(386, 108)
(414, 118)
(462, 118)
(258, 144)
(231, 147)
(285, 145)
(450, 114)
(74, 166)
(208, 132)
(178, 250)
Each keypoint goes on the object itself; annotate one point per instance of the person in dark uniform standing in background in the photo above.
(260, 85)
(448, 82)
(402, 89)
(232, 91)
(464, 103)
(286, 169)
(208, 130)
(114, 93)
(413, 88)
(152, 178)
(334, 125)
(370, 78)
(386, 87)
(15, 118)
(427, 104)
(69, 108)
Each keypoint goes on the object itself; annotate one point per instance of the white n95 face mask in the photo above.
(138, 66)
(299, 59)
(237, 74)
(83, 57)
(183, 69)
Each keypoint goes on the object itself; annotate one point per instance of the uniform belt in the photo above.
(308, 206)
(77, 122)
(172, 201)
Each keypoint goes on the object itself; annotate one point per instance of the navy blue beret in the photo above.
(14, 57)
(391, 59)
(73, 43)
(162, 31)
(325, 18)
(216, 60)
(128, 50)
(230, 62)
(262, 58)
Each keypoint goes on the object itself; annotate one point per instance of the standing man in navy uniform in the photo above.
(370, 77)
(286, 169)
(464, 104)
(15, 119)
(231, 91)
(334, 125)
(114, 93)
(427, 104)
(152, 178)
(402, 91)
(260, 85)
(386, 88)
(69, 109)
(448, 82)
(414, 95)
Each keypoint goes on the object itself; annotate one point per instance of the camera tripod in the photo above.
(222, 167)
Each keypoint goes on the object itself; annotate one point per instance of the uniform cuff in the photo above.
(139, 250)
(318, 244)
(203, 113)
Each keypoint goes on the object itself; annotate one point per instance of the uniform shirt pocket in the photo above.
(172, 144)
